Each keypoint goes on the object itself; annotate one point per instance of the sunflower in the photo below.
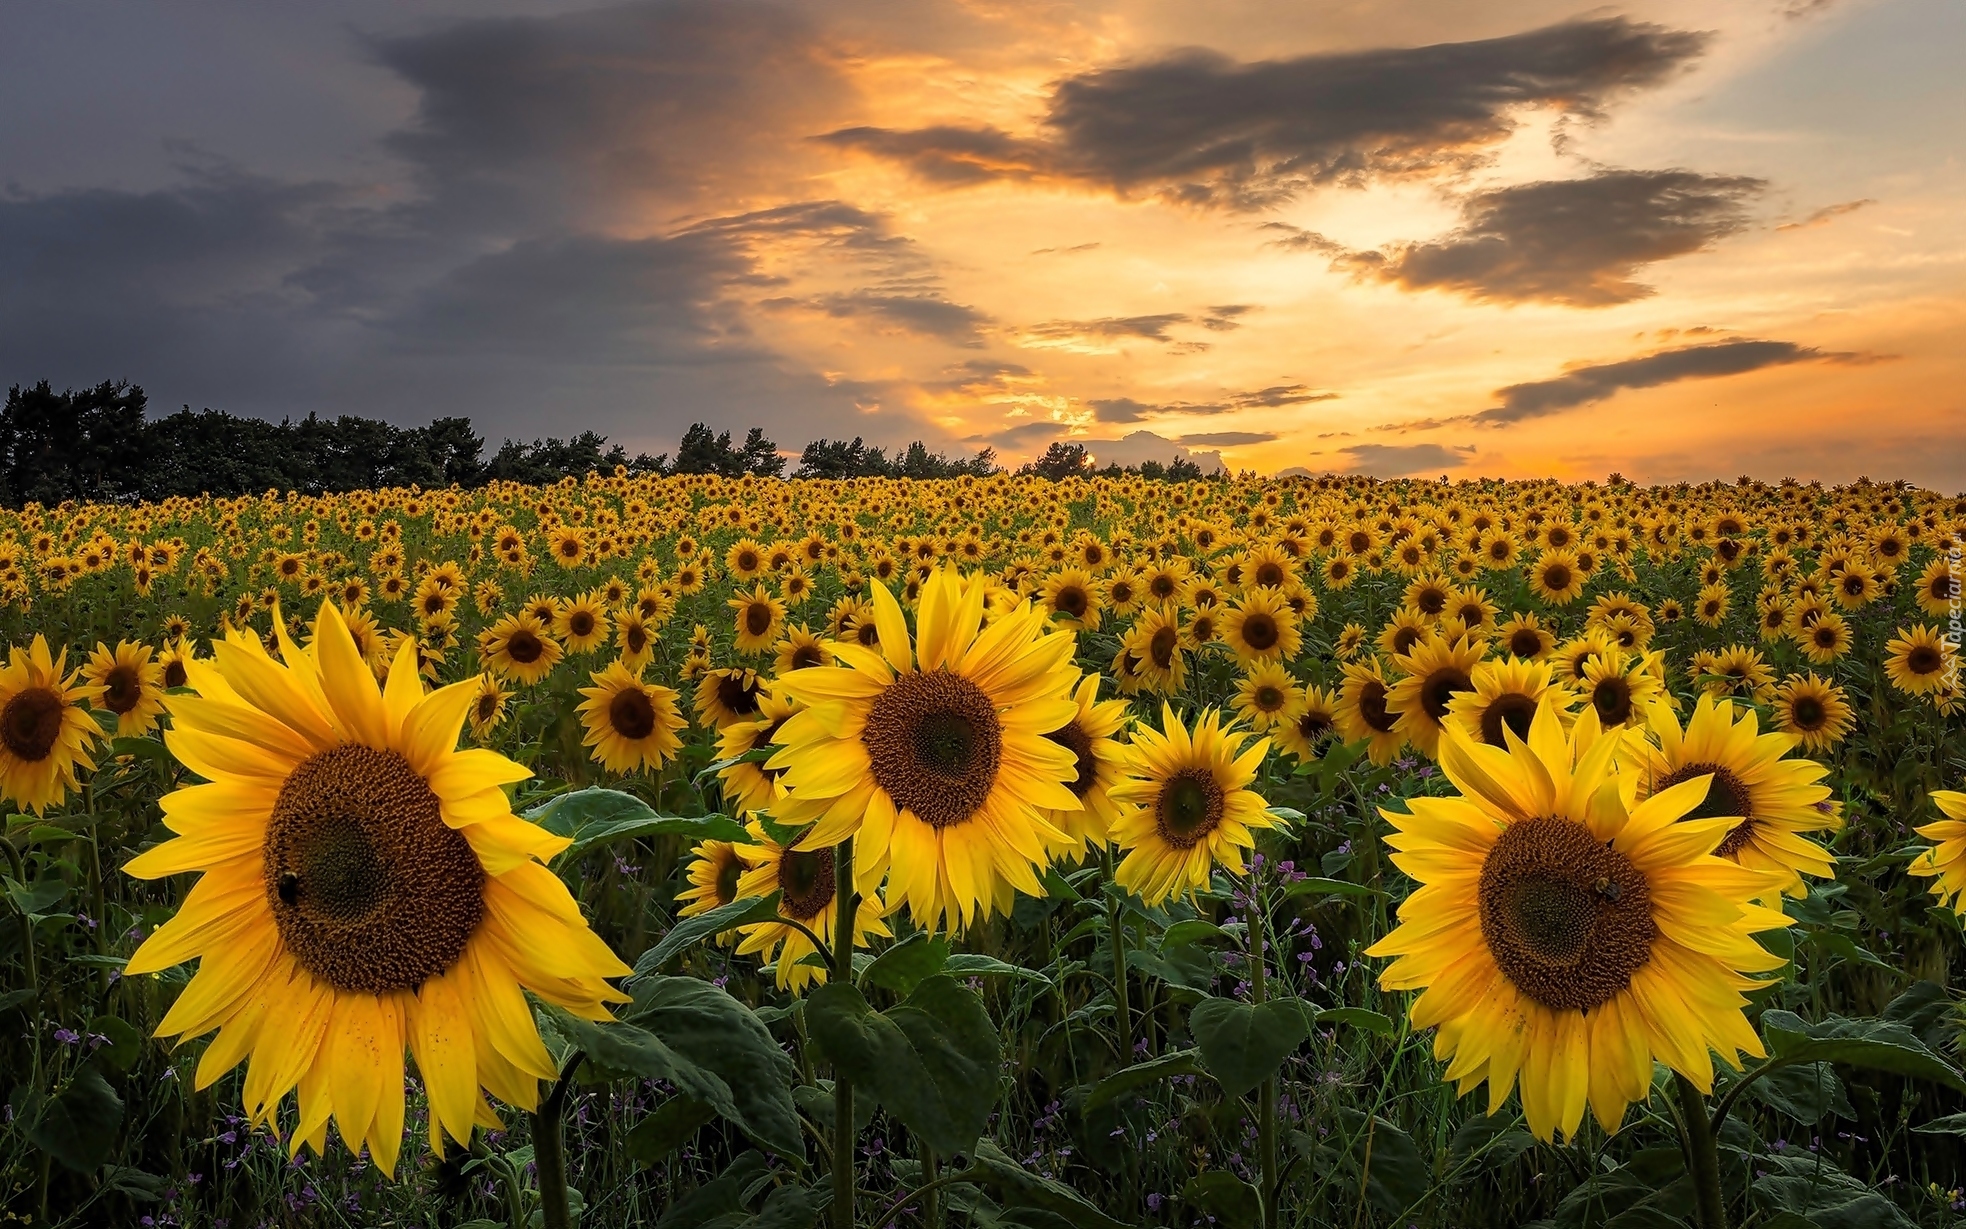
(1565, 938)
(1938, 588)
(727, 695)
(1524, 636)
(132, 685)
(581, 623)
(487, 706)
(1504, 698)
(805, 882)
(1945, 861)
(1362, 712)
(365, 888)
(1351, 638)
(1267, 696)
(1072, 599)
(1155, 642)
(1186, 805)
(1773, 800)
(1826, 638)
(518, 647)
(1557, 577)
(800, 648)
(45, 729)
(170, 663)
(935, 751)
(759, 616)
(1262, 628)
(1619, 687)
(1813, 710)
(746, 560)
(748, 786)
(630, 724)
(1919, 661)
(1710, 609)
(1739, 671)
(1405, 629)
(1436, 670)
(714, 869)
(1306, 736)
(1092, 736)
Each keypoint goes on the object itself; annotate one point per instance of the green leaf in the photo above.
(617, 1046)
(705, 1024)
(693, 930)
(718, 1202)
(1359, 1018)
(1879, 1045)
(77, 1126)
(1396, 1176)
(38, 898)
(782, 835)
(908, 963)
(1016, 1187)
(1243, 1043)
(1488, 1141)
(594, 817)
(1229, 1200)
(1316, 886)
(668, 1127)
(1804, 1092)
(1126, 1079)
(931, 1061)
(970, 964)
(15, 998)
(1951, 1124)
(125, 1044)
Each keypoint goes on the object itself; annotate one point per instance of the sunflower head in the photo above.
(1187, 806)
(630, 724)
(45, 729)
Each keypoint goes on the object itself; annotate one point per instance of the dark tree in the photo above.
(1061, 460)
(71, 445)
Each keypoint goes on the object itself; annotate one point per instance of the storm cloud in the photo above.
(1203, 129)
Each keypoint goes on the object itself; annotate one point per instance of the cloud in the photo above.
(1826, 215)
(1276, 396)
(1572, 241)
(1403, 460)
(927, 314)
(1202, 129)
(1104, 335)
(1228, 439)
(1297, 239)
(1598, 381)
(1070, 251)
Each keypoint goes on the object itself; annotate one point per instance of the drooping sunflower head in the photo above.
(630, 724)
(132, 685)
(1186, 806)
(366, 889)
(45, 729)
(807, 885)
(1564, 938)
(714, 870)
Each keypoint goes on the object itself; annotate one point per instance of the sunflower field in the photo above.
(994, 852)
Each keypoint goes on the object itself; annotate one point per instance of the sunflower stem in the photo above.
(1266, 1099)
(846, 904)
(549, 1151)
(1702, 1155)
(1116, 933)
(19, 867)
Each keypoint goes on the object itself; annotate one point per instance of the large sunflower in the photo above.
(1945, 861)
(630, 724)
(935, 752)
(1186, 805)
(1772, 800)
(365, 888)
(132, 685)
(1567, 937)
(45, 732)
(806, 884)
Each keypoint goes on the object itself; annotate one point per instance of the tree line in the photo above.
(101, 444)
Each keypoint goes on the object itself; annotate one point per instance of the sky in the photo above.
(1678, 240)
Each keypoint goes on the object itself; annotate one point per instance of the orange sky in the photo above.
(1678, 240)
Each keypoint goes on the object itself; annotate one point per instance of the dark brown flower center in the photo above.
(757, 618)
(1727, 796)
(934, 741)
(30, 725)
(1372, 707)
(1439, 689)
(632, 714)
(174, 674)
(1269, 698)
(1071, 600)
(1189, 807)
(581, 623)
(1556, 577)
(524, 647)
(1807, 713)
(371, 890)
(122, 689)
(1567, 918)
(729, 870)
(1085, 764)
(1512, 711)
(1923, 659)
(1161, 647)
(1612, 697)
(1259, 631)
(1524, 642)
(1269, 575)
(805, 879)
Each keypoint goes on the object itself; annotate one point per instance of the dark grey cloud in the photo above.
(1227, 439)
(1128, 409)
(1598, 381)
(1574, 241)
(1203, 129)
(927, 314)
(1402, 460)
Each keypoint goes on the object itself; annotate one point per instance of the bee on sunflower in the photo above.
(1565, 940)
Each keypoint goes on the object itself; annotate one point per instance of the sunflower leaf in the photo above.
(708, 1026)
(931, 1061)
(1224, 1198)
(1244, 1043)
(908, 963)
(1139, 1075)
(77, 1126)
(692, 930)
(1880, 1045)
(1017, 1187)
(594, 817)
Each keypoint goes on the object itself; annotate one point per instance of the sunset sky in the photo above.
(1678, 240)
